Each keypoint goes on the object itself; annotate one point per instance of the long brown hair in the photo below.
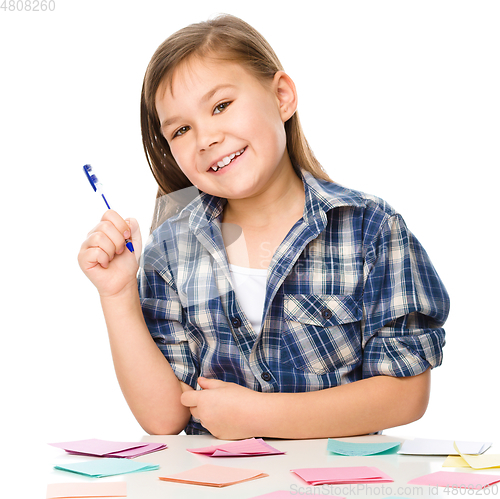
(228, 38)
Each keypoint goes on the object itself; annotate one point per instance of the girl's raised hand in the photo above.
(105, 259)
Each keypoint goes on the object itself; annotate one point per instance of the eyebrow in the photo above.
(216, 89)
(204, 98)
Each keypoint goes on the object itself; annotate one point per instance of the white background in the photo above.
(397, 98)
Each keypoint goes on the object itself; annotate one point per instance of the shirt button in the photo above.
(236, 322)
(266, 376)
(326, 313)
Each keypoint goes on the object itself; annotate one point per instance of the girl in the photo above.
(272, 302)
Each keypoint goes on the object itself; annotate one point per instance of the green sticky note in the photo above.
(361, 449)
(107, 467)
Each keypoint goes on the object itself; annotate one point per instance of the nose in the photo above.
(208, 137)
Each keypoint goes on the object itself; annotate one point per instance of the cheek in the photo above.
(180, 156)
(265, 127)
(273, 138)
(175, 154)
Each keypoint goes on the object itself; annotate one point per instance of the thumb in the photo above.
(208, 384)
(136, 235)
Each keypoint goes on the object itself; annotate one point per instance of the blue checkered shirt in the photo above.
(350, 294)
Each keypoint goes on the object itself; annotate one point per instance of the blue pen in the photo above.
(97, 186)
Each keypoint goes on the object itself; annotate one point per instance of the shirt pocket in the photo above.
(322, 332)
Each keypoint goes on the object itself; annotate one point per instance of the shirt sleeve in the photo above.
(164, 316)
(405, 305)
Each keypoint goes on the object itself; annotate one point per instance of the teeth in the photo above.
(226, 160)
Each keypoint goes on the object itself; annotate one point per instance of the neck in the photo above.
(282, 197)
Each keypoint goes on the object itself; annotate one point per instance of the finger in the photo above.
(107, 229)
(190, 398)
(97, 248)
(92, 257)
(119, 222)
(185, 387)
(102, 240)
(121, 226)
(208, 384)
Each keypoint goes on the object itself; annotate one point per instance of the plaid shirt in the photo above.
(350, 294)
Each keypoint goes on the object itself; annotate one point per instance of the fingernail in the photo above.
(126, 234)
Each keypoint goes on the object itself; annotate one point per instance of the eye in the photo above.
(181, 131)
(221, 107)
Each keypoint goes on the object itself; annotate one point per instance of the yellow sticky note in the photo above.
(480, 462)
(455, 462)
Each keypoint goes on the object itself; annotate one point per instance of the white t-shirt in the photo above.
(250, 288)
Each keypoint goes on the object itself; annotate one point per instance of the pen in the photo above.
(97, 186)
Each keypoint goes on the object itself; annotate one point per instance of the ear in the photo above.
(286, 95)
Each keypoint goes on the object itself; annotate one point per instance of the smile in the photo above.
(226, 160)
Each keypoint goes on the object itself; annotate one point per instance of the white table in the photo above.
(299, 454)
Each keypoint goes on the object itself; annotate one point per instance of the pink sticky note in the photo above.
(353, 474)
(241, 448)
(138, 451)
(96, 447)
(285, 494)
(452, 479)
(107, 448)
(214, 476)
(74, 490)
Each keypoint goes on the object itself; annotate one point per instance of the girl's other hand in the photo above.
(105, 259)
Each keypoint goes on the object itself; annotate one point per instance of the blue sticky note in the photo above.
(107, 467)
(361, 449)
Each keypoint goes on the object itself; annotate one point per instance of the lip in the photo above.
(226, 155)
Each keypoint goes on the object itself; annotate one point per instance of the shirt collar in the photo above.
(321, 196)
(204, 210)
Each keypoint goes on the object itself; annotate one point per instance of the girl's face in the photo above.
(225, 128)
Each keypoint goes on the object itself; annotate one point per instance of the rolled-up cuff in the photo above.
(403, 355)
